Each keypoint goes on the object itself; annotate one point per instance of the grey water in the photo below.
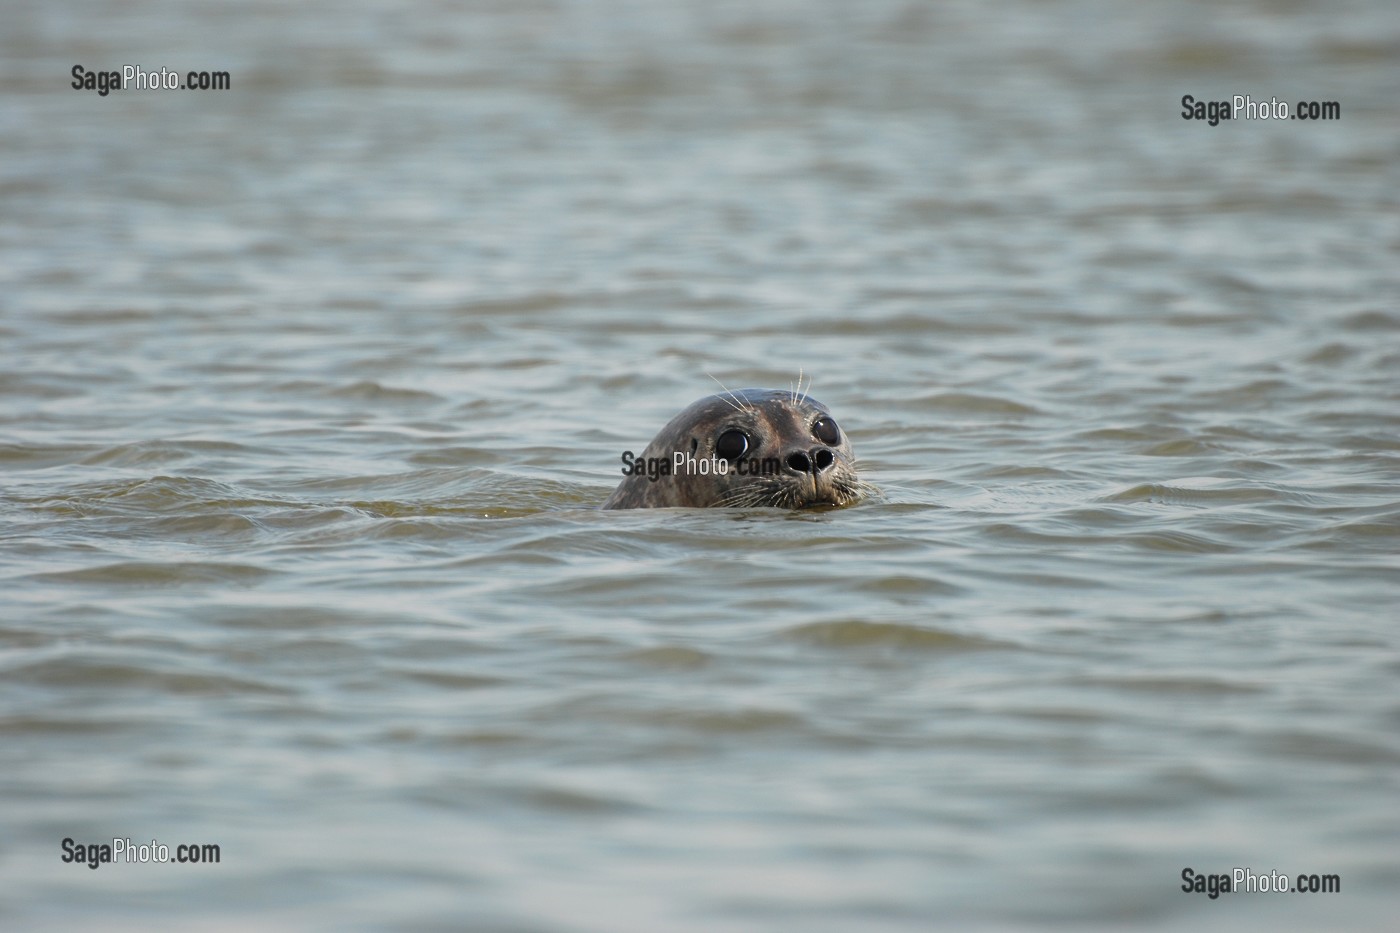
(310, 389)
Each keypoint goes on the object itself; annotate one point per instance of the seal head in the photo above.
(753, 448)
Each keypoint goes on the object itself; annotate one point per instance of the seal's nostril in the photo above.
(799, 462)
(822, 459)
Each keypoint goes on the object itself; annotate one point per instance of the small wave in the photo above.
(1331, 354)
(149, 573)
(968, 403)
(452, 680)
(455, 457)
(1180, 447)
(161, 452)
(209, 526)
(724, 721)
(574, 802)
(532, 303)
(369, 391)
(98, 673)
(1170, 684)
(157, 494)
(1177, 542)
(42, 456)
(855, 633)
(1329, 747)
(46, 725)
(1225, 493)
(907, 585)
(1371, 321)
(670, 656)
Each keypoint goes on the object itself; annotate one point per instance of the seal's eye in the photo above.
(732, 444)
(826, 431)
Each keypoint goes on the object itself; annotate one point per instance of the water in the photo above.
(310, 390)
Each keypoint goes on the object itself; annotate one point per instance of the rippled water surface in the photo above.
(310, 390)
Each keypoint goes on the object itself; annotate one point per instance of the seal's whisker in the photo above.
(742, 498)
(733, 399)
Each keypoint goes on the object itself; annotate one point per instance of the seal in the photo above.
(754, 448)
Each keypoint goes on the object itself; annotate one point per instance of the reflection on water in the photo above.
(312, 387)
